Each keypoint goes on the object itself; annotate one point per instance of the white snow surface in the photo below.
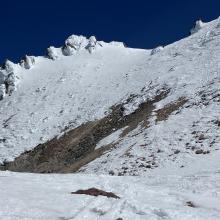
(151, 197)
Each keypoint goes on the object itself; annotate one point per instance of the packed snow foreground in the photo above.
(163, 164)
(43, 197)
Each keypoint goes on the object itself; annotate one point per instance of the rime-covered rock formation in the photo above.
(198, 25)
(27, 62)
(8, 78)
(73, 45)
(52, 53)
(91, 44)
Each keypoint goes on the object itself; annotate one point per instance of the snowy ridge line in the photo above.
(10, 72)
(71, 45)
(74, 43)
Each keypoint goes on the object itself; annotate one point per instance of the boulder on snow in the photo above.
(96, 192)
(52, 53)
(157, 50)
(199, 151)
(198, 25)
(27, 62)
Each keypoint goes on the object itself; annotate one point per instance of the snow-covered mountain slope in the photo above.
(149, 117)
(43, 197)
(67, 91)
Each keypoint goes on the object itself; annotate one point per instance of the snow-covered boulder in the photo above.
(27, 62)
(2, 91)
(157, 50)
(77, 42)
(52, 53)
(2, 76)
(92, 44)
(198, 25)
(67, 50)
(10, 83)
(2, 84)
(74, 43)
(8, 78)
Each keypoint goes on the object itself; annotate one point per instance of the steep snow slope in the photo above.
(68, 91)
(175, 150)
(71, 90)
(184, 129)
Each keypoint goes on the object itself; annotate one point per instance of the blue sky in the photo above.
(29, 27)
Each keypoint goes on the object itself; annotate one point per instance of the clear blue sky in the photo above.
(29, 27)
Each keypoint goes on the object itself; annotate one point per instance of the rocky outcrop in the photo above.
(8, 79)
(27, 62)
(198, 25)
(74, 43)
(52, 53)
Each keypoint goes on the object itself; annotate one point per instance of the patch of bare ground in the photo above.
(167, 110)
(76, 147)
(96, 192)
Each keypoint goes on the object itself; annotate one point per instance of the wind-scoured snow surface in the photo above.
(163, 168)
